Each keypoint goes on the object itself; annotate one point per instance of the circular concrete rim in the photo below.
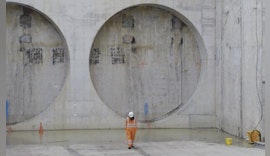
(64, 44)
(197, 37)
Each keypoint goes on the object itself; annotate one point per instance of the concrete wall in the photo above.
(176, 64)
(146, 60)
(3, 85)
(242, 79)
(37, 63)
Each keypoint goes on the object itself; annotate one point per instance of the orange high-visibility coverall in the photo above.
(131, 128)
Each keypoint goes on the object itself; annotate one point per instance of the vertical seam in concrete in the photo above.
(257, 67)
(240, 131)
(218, 43)
(222, 70)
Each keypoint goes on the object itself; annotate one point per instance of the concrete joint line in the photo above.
(139, 150)
(72, 152)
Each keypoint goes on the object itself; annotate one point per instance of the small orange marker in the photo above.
(40, 128)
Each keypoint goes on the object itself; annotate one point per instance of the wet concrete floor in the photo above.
(90, 142)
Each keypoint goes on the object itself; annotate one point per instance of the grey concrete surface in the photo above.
(149, 142)
(135, 68)
(173, 148)
(31, 55)
(227, 93)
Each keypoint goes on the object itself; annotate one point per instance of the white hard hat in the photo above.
(131, 114)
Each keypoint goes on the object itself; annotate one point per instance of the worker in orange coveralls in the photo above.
(131, 127)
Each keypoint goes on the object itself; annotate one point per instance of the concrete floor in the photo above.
(113, 142)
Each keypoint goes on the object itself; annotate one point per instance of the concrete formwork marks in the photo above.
(145, 54)
(36, 63)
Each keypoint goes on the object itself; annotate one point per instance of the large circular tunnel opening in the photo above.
(37, 62)
(145, 59)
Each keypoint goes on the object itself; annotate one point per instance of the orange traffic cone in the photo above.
(40, 128)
